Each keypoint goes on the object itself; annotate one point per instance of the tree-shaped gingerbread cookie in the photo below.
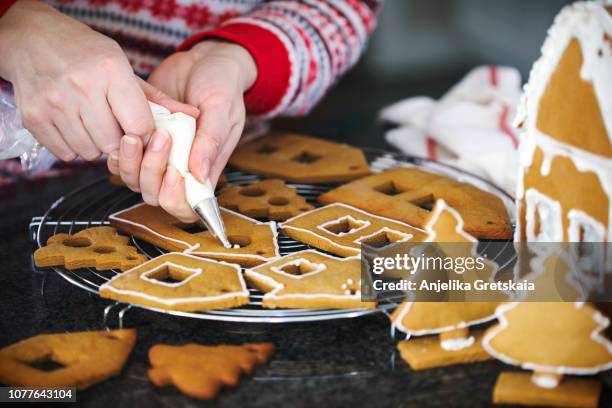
(450, 320)
(551, 339)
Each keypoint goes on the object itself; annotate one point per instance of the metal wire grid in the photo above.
(91, 205)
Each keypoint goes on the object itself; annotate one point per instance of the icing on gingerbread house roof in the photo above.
(568, 95)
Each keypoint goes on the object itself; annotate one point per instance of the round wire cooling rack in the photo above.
(90, 206)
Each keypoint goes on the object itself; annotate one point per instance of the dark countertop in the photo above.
(350, 362)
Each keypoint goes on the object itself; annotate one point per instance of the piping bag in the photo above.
(200, 196)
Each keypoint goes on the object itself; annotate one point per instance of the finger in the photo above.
(172, 196)
(112, 162)
(130, 157)
(153, 166)
(156, 95)
(74, 134)
(213, 128)
(130, 107)
(100, 123)
(226, 151)
(48, 135)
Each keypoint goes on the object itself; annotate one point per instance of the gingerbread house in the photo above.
(565, 184)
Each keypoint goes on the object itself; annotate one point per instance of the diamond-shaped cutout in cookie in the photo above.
(270, 199)
(301, 159)
(98, 247)
(310, 279)
(253, 242)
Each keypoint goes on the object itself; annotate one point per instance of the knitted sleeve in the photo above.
(300, 48)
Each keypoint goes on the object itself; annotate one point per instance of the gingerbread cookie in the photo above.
(270, 199)
(408, 195)
(178, 281)
(66, 359)
(253, 242)
(200, 371)
(310, 279)
(553, 339)
(341, 229)
(301, 159)
(99, 247)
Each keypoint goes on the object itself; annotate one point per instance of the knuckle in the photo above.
(110, 64)
(33, 116)
(90, 154)
(67, 155)
(80, 79)
(150, 199)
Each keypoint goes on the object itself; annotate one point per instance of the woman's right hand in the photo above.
(75, 88)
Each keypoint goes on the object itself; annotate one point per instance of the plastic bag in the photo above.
(16, 141)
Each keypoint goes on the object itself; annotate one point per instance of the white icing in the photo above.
(181, 128)
(545, 381)
(173, 301)
(253, 274)
(405, 308)
(588, 22)
(457, 344)
(602, 323)
(192, 249)
(439, 207)
(549, 218)
(593, 230)
(404, 237)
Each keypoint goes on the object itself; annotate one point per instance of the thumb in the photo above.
(155, 95)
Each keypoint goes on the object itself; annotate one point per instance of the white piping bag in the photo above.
(200, 196)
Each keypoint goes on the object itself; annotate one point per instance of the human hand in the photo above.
(213, 77)
(75, 89)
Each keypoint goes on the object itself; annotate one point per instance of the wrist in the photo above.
(232, 53)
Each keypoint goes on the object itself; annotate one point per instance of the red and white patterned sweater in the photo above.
(300, 47)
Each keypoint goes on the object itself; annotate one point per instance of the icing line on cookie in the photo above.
(279, 286)
(406, 306)
(243, 292)
(596, 336)
(354, 250)
(189, 249)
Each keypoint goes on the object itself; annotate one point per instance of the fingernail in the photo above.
(204, 168)
(171, 177)
(129, 146)
(159, 140)
(114, 157)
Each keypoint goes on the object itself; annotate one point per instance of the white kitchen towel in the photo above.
(469, 127)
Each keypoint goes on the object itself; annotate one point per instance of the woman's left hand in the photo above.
(213, 77)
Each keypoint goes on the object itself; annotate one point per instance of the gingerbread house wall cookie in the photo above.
(253, 242)
(177, 281)
(301, 159)
(342, 229)
(309, 279)
(407, 195)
